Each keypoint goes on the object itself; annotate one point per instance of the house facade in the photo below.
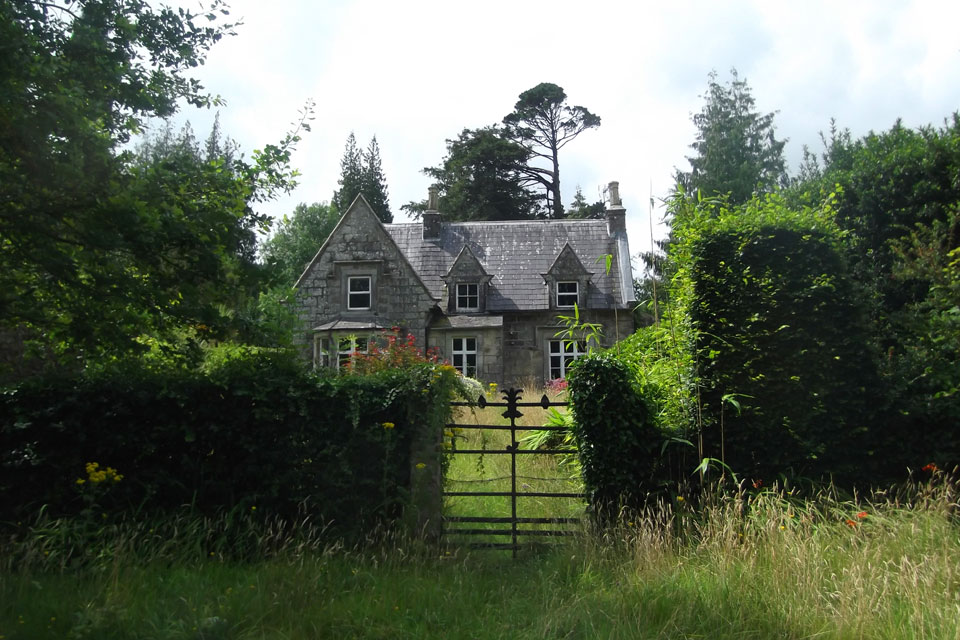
(485, 295)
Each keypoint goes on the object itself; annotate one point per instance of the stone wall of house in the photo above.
(526, 337)
(360, 246)
(489, 349)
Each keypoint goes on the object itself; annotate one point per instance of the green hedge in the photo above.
(253, 433)
(619, 445)
(787, 377)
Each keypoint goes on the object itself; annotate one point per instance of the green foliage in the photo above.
(296, 240)
(480, 179)
(250, 430)
(897, 199)
(101, 245)
(543, 123)
(619, 446)
(361, 172)
(581, 209)
(778, 323)
(737, 153)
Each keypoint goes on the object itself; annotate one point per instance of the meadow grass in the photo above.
(758, 564)
(492, 472)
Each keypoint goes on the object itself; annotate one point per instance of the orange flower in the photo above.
(929, 467)
(862, 515)
(851, 523)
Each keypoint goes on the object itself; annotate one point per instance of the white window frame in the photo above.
(567, 295)
(321, 352)
(460, 355)
(352, 292)
(349, 346)
(567, 352)
(475, 296)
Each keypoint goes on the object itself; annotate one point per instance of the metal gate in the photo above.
(453, 526)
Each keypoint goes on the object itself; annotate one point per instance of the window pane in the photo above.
(359, 292)
(468, 296)
(567, 294)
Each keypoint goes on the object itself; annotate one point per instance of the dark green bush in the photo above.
(253, 431)
(785, 370)
(619, 446)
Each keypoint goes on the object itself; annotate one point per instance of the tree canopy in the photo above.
(100, 243)
(495, 172)
(737, 152)
(543, 123)
(296, 240)
(480, 179)
(361, 172)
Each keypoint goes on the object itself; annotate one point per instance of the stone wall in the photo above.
(360, 246)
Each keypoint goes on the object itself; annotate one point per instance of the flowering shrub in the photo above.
(557, 386)
(391, 351)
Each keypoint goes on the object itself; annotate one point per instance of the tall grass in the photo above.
(492, 471)
(741, 565)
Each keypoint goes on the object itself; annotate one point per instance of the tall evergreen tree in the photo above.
(480, 179)
(351, 175)
(737, 151)
(373, 184)
(543, 123)
(361, 172)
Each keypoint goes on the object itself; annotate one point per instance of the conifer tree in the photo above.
(351, 175)
(361, 172)
(373, 185)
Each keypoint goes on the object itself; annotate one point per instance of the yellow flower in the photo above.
(679, 498)
(80, 480)
(388, 425)
(421, 465)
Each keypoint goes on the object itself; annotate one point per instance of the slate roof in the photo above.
(516, 253)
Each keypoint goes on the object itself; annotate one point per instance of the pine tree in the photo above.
(373, 185)
(361, 172)
(737, 152)
(351, 176)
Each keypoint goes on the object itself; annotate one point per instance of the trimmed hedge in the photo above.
(257, 432)
(788, 380)
(619, 446)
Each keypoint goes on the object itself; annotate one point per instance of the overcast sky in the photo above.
(416, 73)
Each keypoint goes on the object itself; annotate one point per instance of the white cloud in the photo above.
(415, 73)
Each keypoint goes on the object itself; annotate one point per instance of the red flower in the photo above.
(757, 484)
(930, 467)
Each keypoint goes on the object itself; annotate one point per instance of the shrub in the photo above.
(252, 431)
(618, 444)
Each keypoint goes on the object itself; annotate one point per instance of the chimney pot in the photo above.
(614, 190)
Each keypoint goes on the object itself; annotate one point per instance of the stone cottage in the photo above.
(485, 295)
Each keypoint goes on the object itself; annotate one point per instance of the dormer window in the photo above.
(568, 294)
(468, 296)
(359, 293)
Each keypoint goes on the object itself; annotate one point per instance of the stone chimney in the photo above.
(615, 214)
(431, 217)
